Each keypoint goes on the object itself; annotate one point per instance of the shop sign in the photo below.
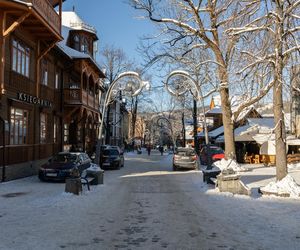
(34, 100)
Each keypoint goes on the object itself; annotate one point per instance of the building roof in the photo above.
(72, 53)
(213, 133)
(241, 134)
(72, 20)
(266, 122)
(215, 110)
(54, 3)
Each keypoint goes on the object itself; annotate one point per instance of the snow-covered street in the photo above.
(146, 205)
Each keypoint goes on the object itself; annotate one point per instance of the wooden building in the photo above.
(83, 83)
(50, 85)
(29, 109)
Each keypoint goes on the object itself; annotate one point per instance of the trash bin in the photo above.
(95, 171)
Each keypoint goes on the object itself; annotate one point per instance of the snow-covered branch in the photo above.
(253, 100)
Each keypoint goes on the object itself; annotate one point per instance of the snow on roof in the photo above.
(217, 100)
(72, 53)
(243, 133)
(72, 20)
(213, 133)
(215, 110)
(266, 122)
(266, 107)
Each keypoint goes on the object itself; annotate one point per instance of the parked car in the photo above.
(185, 158)
(216, 153)
(112, 158)
(60, 166)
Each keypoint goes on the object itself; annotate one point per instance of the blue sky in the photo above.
(115, 21)
(117, 24)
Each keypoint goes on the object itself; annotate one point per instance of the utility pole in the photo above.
(195, 121)
(183, 129)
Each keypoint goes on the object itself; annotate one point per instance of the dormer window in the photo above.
(85, 46)
(76, 41)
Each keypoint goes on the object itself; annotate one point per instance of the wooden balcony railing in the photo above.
(72, 96)
(46, 10)
(78, 96)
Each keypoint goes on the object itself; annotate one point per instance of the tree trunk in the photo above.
(280, 134)
(227, 115)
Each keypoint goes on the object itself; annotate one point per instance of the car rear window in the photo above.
(60, 158)
(218, 151)
(110, 152)
(185, 152)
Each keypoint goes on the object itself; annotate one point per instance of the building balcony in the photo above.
(47, 12)
(76, 96)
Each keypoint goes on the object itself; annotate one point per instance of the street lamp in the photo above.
(178, 83)
(129, 83)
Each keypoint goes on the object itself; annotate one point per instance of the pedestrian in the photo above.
(161, 149)
(149, 149)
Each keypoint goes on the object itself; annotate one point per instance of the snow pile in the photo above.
(294, 166)
(228, 164)
(286, 186)
(94, 167)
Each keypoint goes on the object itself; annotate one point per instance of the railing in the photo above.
(77, 25)
(78, 96)
(72, 96)
(46, 10)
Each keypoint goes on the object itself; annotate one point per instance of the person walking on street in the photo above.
(149, 149)
(161, 149)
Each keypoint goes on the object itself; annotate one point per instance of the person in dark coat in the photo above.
(149, 149)
(161, 149)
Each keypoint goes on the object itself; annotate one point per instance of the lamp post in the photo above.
(129, 83)
(181, 84)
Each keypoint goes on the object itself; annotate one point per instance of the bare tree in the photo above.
(115, 62)
(275, 26)
(203, 24)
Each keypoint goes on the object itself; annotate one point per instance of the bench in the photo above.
(210, 175)
(85, 179)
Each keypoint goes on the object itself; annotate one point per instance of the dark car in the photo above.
(112, 158)
(214, 152)
(185, 158)
(60, 166)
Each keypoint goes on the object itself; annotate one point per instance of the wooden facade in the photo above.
(83, 89)
(43, 90)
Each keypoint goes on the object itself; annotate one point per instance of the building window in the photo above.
(76, 42)
(66, 133)
(85, 46)
(43, 128)
(55, 129)
(20, 58)
(18, 126)
(56, 80)
(44, 69)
